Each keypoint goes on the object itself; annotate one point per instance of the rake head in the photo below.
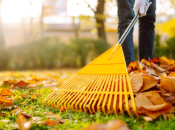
(103, 85)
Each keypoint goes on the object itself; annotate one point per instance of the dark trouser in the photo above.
(146, 30)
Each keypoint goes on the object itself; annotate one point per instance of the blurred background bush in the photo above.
(51, 34)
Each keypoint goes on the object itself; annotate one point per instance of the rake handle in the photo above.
(128, 29)
(124, 35)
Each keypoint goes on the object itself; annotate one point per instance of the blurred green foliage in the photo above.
(50, 53)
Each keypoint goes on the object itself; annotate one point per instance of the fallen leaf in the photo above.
(145, 106)
(163, 60)
(168, 67)
(172, 74)
(24, 96)
(6, 92)
(136, 81)
(34, 97)
(156, 110)
(148, 82)
(155, 60)
(48, 122)
(154, 97)
(20, 84)
(23, 123)
(111, 125)
(147, 118)
(4, 102)
(168, 83)
(132, 66)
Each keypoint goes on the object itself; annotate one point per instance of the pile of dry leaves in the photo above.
(153, 84)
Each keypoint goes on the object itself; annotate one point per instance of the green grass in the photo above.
(76, 120)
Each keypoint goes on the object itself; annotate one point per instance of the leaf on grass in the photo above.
(34, 97)
(20, 84)
(9, 82)
(48, 122)
(6, 92)
(4, 102)
(111, 125)
(147, 118)
(168, 83)
(24, 96)
(148, 82)
(23, 123)
(145, 106)
(156, 110)
(136, 81)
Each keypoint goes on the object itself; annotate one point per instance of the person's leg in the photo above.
(146, 33)
(125, 15)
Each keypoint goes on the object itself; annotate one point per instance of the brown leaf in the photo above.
(48, 122)
(132, 66)
(9, 82)
(148, 82)
(23, 123)
(20, 84)
(168, 83)
(111, 125)
(136, 81)
(168, 67)
(6, 92)
(156, 67)
(145, 106)
(155, 60)
(156, 110)
(4, 102)
(24, 96)
(172, 74)
(154, 97)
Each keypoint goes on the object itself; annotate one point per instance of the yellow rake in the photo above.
(103, 85)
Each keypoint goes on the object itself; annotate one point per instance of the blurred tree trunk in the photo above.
(2, 42)
(100, 20)
(41, 20)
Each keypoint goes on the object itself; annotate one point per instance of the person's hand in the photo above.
(141, 6)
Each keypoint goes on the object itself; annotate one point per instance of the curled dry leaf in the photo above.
(168, 83)
(136, 81)
(156, 67)
(148, 82)
(4, 102)
(6, 92)
(145, 106)
(155, 111)
(111, 125)
(20, 84)
(154, 97)
(23, 123)
(168, 67)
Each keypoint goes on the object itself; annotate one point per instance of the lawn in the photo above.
(28, 102)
